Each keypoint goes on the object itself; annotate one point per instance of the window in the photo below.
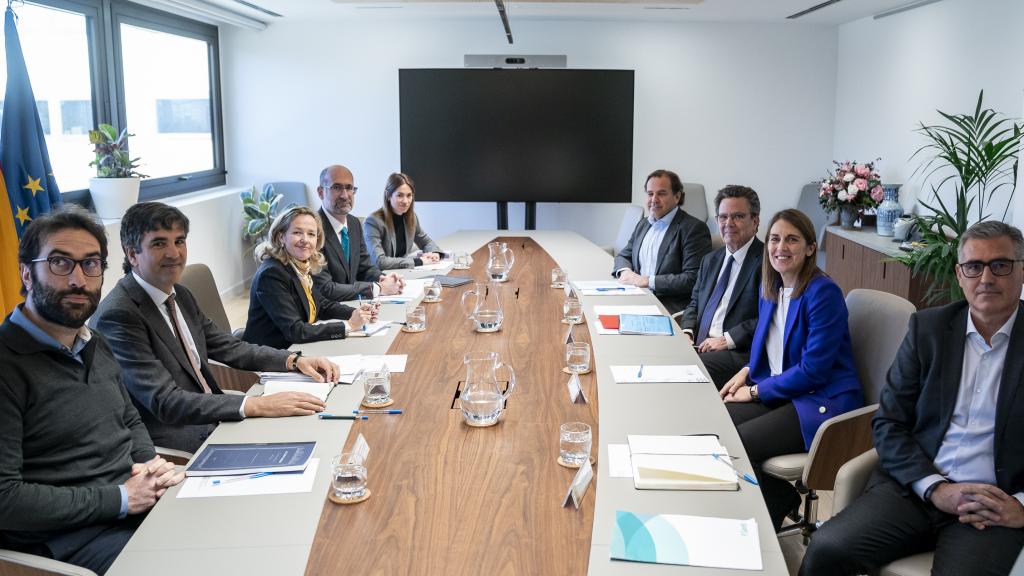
(113, 61)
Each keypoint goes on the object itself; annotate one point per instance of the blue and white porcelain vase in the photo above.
(889, 211)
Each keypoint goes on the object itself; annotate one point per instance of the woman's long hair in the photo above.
(771, 280)
(386, 214)
(273, 246)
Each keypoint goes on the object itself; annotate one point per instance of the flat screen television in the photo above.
(484, 135)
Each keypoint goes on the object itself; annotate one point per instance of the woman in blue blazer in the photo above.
(801, 369)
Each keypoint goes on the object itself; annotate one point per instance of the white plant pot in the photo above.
(113, 196)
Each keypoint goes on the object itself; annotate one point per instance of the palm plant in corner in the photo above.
(976, 154)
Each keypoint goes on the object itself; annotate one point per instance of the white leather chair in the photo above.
(630, 217)
(695, 201)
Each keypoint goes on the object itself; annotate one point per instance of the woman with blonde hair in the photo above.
(285, 307)
(393, 234)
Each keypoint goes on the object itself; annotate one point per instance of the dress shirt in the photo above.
(651, 244)
(967, 452)
(718, 320)
(159, 298)
(776, 340)
(336, 226)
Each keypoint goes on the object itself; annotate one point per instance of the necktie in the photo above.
(344, 242)
(713, 302)
(184, 345)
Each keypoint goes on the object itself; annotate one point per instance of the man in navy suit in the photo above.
(349, 273)
(722, 314)
(948, 431)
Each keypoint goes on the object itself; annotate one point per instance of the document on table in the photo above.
(645, 325)
(686, 540)
(648, 310)
(444, 265)
(413, 290)
(697, 444)
(680, 463)
(350, 364)
(372, 329)
(284, 483)
(619, 464)
(649, 374)
(605, 288)
(319, 389)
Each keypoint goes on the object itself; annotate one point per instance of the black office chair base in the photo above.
(807, 522)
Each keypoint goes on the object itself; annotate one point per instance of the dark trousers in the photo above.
(887, 523)
(724, 364)
(94, 547)
(766, 432)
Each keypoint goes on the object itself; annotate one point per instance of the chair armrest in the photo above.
(233, 379)
(21, 564)
(179, 457)
(838, 440)
(851, 479)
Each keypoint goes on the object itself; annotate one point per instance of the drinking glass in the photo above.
(577, 357)
(376, 386)
(574, 443)
(461, 261)
(558, 278)
(572, 310)
(432, 291)
(349, 479)
(415, 318)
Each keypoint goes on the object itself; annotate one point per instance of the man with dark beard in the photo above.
(77, 468)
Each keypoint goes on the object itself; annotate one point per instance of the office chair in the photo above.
(22, 564)
(630, 217)
(808, 204)
(878, 324)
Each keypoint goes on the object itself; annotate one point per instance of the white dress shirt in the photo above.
(651, 244)
(718, 320)
(776, 340)
(967, 452)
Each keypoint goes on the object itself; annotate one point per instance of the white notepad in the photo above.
(657, 374)
(318, 389)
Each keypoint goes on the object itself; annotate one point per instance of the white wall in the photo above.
(897, 71)
(719, 103)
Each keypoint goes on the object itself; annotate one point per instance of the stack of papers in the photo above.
(319, 389)
(349, 365)
(413, 290)
(645, 325)
(680, 463)
(605, 288)
(444, 265)
(686, 540)
(648, 374)
(283, 483)
(617, 311)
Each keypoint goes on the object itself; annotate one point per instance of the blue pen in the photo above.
(640, 372)
(376, 411)
(240, 478)
(323, 416)
(743, 475)
(610, 289)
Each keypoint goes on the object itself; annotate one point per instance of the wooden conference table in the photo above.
(452, 499)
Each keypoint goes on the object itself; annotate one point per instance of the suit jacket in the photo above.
(279, 310)
(382, 244)
(917, 402)
(343, 279)
(686, 241)
(741, 311)
(157, 372)
(818, 373)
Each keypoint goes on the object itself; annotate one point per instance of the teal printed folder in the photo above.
(686, 540)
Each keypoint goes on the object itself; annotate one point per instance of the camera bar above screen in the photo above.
(485, 135)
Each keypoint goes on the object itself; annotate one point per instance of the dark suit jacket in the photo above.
(818, 373)
(279, 311)
(158, 374)
(382, 244)
(917, 402)
(686, 241)
(345, 279)
(741, 311)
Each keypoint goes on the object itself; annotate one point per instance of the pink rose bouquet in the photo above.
(851, 184)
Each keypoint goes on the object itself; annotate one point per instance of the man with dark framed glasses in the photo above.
(948, 431)
(92, 267)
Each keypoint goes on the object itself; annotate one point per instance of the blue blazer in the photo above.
(818, 373)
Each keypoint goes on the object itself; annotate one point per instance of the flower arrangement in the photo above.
(852, 184)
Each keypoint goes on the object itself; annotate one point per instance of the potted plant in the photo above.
(977, 154)
(851, 188)
(258, 212)
(116, 185)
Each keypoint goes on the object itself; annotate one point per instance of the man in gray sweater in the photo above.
(77, 467)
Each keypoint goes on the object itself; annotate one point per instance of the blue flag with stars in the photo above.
(27, 185)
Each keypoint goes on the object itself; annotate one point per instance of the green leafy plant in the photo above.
(259, 210)
(977, 154)
(111, 148)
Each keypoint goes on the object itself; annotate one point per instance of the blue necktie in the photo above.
(713, 302)
(344, 242)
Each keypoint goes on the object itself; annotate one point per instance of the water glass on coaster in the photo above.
(461, 261)
(415, 319)
(348, 482)
(572, 311)
(574, 444)
(577, 358)
(558, 278)
(376, 387)
(432, 291)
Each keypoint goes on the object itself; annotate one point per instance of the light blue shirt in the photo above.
(967, 452)
(651, 244)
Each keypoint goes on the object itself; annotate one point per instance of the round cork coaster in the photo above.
(336, 500)
(580, 321)
(385, 404)
(406, 329)
(562, 287)
(477, 425)
(425, 301)
(460, 267)
(567, 465)
(567, 371)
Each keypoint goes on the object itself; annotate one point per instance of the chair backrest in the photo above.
(695, 202)
(808, 204)
(630, 217)
(878, 324)
(293, 192)
(199, 281)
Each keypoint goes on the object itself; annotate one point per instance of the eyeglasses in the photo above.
(344, 188)
(64, 266)
(999, 267)
(736, 217)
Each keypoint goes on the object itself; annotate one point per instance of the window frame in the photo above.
(103, 32)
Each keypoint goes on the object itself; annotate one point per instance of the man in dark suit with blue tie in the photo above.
(722, 314)
(666, 247)
(349, 274)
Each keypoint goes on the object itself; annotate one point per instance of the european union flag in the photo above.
(26, 179)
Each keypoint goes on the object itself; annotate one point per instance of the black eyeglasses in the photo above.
(64, 266)
(735, 217)
(344, 188)
(999, 267)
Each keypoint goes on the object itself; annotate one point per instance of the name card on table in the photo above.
(568, 335)
(361, 448)
(579, 485)
(576, 393)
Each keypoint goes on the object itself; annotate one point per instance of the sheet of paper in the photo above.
(619, 464)
(657, 374)
(413, 290)
(377, 328)
(648, 310)
(443, 265)
(318, 389)
(203, 486)
(284, 377)
(605, 288)
(350, 364)
(686, 540)
(698, 444)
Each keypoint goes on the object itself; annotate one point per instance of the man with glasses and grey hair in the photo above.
(948, 431)
(349, 275)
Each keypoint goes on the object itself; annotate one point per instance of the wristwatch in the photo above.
(295, 361)
(753, 394)
(927, 496)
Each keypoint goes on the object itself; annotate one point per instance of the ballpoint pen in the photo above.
(239, 478)
(376, 411)
(341, 417)
(640, 372)
(743, 475)
(618, 289)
